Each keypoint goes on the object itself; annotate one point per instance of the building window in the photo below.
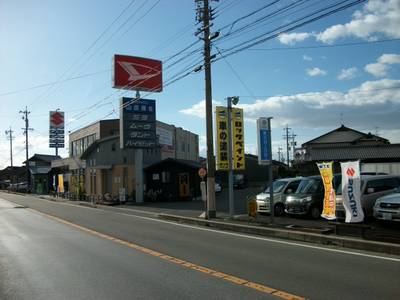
(113, 147)
(183, 146)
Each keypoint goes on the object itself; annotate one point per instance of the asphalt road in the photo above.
(43, 258)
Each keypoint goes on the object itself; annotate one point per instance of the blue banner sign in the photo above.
(137, 123)
(264, 141)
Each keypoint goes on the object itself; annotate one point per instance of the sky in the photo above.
(343, 68)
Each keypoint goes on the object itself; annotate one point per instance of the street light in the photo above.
(230, 100)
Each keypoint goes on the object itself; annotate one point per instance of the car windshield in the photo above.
(308, 186)
(277, 186)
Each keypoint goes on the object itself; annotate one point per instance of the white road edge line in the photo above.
(264, 239)
(241, 235)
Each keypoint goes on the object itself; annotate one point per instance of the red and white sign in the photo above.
(56, 119)
(137, 73)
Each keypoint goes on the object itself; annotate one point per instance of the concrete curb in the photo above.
(344, 242)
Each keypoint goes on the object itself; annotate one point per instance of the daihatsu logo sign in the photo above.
(137, 73)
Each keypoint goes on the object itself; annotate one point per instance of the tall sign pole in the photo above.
(204, 17)
(230, 164)
(265, 156)
(137, 115)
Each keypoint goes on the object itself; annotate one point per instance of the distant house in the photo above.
(376, 154)
(12, 175)
(41, 176)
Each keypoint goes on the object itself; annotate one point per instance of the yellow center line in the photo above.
(183, 263)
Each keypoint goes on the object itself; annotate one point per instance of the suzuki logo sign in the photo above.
(56, 119)
(137, 73)
(350, 172)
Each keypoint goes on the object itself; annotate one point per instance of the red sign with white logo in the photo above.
(56, 119)
(137, 73)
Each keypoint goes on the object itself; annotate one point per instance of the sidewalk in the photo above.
(360, 237)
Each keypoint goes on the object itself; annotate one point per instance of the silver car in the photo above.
(388, 207)
(372, 187)
(281, 188)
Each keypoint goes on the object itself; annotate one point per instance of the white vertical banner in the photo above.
(351, 191)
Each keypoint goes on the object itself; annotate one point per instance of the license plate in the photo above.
(387, 216)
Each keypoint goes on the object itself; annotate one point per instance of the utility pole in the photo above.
(293, 143)
(204, 15)
(279, 154)
(287, 136)
(10, 137)
(25, 114)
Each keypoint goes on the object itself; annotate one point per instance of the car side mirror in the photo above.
(370, 190)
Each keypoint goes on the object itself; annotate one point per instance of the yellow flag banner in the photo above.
(60, 183)
(221, 121)
(238, 139)
(329, 210)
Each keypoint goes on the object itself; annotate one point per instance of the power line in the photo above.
(324, 46)
(85, 52)
(310, 18)
(350, 91)
(53, 82)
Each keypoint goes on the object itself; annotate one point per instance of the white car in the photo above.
(388, 207)
(372, 188)
(281, 188)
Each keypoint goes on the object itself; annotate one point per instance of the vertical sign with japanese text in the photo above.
(238, 139)
(221, 120)
(137, 123)
(329, 207)
(263, 139)
(56, 129)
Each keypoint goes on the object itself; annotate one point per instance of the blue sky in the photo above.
(344, 68)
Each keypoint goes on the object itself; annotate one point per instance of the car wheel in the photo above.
(279, 210)
(315, 212)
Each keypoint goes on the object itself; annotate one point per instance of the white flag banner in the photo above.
(351, 191)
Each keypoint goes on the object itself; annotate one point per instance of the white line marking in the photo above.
(246, 236)
(264, 239)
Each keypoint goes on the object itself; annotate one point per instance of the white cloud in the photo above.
(378, 17)
(199, 109)
(376, 69)
(346, 74)
(380, 68)
(292, 38)
(203, 145)
(373, 103)
(307, 58)
(315, 72)
(389, 59)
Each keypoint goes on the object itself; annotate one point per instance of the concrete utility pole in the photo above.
(293, 143)
(204, 15)
(10, 137)
(280, 154)
(26, 130)
(287, 136)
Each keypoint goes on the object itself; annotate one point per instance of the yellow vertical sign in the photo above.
(238, 139)
(329, 210)
(221, 121)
